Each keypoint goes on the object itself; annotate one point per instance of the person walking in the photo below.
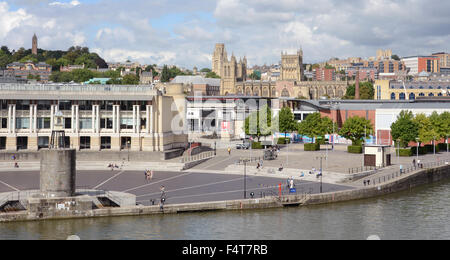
(151, 174)
(229, 151)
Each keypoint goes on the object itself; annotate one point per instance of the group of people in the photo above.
(113, 166)
(148, 175)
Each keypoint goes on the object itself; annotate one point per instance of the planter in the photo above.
(312, 147)
(354, 149)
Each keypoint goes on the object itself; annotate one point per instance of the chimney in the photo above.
(357, 96)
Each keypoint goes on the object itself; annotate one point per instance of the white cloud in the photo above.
(71, 4)
(9, 20)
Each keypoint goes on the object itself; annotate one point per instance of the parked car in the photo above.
(243, 146)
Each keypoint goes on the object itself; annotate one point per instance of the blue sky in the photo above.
(184, 32)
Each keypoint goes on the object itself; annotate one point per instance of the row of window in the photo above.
(84, 123)
(85, 142)
(420, 87)
(412, 96)
(83, 105)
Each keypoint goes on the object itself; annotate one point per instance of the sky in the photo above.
(184, 32)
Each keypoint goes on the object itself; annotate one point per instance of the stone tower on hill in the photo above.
(34, 45)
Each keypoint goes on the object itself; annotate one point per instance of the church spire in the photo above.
(34, 45)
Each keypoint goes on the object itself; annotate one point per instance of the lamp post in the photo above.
(321, 170)
(418, 142)
(245, 161)
(128, 144)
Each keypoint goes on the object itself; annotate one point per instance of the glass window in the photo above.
(392, 96)
(43, 105)
(421, 95)
(105, 142)
(106, 123)
(43, 123)
(22, 123)
(67, 123)
(85, 123)
(23, 105)
(126, 123)
(85, 142)
(412, 96)
(65, 105)
(402, 96)
(2, 143)
(4, 123)
(43, 142)
(431, 95)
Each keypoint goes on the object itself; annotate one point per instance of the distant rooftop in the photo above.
(196, 80)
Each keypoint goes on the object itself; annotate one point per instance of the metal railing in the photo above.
(74, 88)
(197, 157)
(15, 196)
(397, 174)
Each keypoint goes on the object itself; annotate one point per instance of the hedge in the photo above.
(422, 150)
(443, 147)
(282, 140)
(429, 148)
(354, 149)
(257, 145)
(312, 147)
(404, 152)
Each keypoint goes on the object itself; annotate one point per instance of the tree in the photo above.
(366, 90)
(355, 128)
(285, 121)
(212, 75)
(259, 123)
(130, 79)
(316, 126)
(205, 70)
(405, 128)
(82, 75)
(426, 131)
(165, 76)
(256, 75)
(395, 57)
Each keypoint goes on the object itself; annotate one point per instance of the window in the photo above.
(126, 106)
(43, 105)
(105, 142)
(43, 123)
(106, 123)
(85, 105)
(2, 143)
(421, 95)
(125, 143)
(106, 105)
(392, 96)
(412, 96)
(22, 143)
(85, 123)
(85, 142)
(67, 123)
(126, 123)
(65, 105)
(4, 123)
(43, 142)
(402, 96)
(431, 95)
(23, 105)
(22, 123)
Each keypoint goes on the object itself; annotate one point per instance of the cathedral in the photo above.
(230, 71)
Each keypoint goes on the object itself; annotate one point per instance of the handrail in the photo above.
(197, 157)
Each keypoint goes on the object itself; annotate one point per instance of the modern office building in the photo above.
(410, 90)
(417, 64)
(95, 117)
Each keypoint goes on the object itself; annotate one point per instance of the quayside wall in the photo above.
(425, 176)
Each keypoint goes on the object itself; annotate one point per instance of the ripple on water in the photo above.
(421, 213)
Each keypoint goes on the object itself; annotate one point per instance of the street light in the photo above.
(321, 170)
(418, 142)
(245, 161)
(128, 144)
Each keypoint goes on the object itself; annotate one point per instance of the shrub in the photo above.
(354, 149)
(257, 145)
(443, 147)
(312, 147)
(422, 150)
(283, 140)
(429, 148)
(404, 152)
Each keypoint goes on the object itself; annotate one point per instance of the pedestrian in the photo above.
(365, 182)
(414, 162)
(281, 168)
(401, 169)
(146, 174)
(16, 165)
(229, 151)
(151, 174)
(368, 182)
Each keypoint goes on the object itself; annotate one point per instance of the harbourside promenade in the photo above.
(206, 187)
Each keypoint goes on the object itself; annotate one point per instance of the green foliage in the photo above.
(422, 150)
(395, 57)
(312, 147)
(212, 75)
(426, 130)
(314, 126)
(130, 79)
(259, 123)
(283, 140)
(354, 149)
(206, 70)
(355, 128)
(285, 122)
(404, 152)
(256, 75)
(366, 91)
(405, 128)
(257, 145)
(441, 124)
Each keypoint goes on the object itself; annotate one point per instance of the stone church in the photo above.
(234, 81)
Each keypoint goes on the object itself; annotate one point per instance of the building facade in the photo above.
(24, 70)
(292, 66)
(230, 71)
(412, 90)
(96, 117)
(417, 64)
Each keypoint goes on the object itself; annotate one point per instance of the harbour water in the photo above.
(421, 213)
